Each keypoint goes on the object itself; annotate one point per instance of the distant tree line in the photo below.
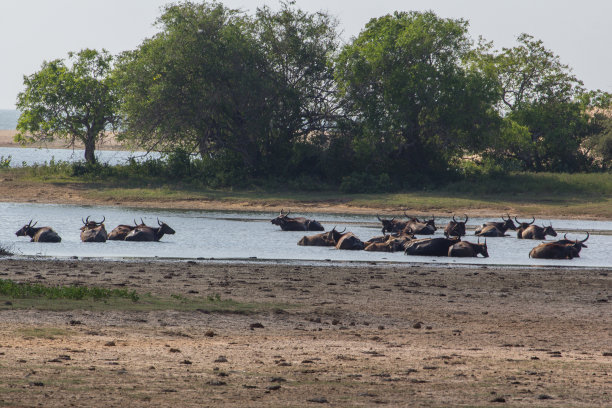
(412, 98)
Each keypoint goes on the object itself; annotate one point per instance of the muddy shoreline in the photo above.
(335, 335)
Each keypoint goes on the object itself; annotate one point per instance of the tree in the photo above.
(299, 47)
(74, 102)
(199, 85)
(541, 95)
(414, 100)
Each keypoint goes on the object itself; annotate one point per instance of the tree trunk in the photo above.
(90, 148)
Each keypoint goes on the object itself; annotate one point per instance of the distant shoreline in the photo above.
(7, 140)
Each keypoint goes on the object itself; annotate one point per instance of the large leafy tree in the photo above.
(200, 84)
(547, 105)
(415, 101)
(299, 48)
(75, 101)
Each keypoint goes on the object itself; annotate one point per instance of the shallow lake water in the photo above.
(30, 156)
(250, 235)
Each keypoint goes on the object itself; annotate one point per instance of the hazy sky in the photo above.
(32, 31)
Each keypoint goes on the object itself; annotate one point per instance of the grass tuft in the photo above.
(26, 290)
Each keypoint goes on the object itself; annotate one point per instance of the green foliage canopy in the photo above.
(76, 101)
(411, 94)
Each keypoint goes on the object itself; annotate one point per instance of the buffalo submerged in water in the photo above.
(40, 234)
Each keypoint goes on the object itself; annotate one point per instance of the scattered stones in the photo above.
(256, 326)
(498, 399)
(110, 344)
(417, 325)
(221, 359)
(75, 322)
(210, 333)
(174, 350)
(319, 400)
(273, 387)
(544, 397)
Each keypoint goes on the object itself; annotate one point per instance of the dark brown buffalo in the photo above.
(468, 249)
(430, 246)
(490, 231)
(577, 245)
(93, 231)
(522, 226)
(393, 244)
(392, 225)
(329, 238)
(537, 232)
(348, 240)
(146, 233)
(553, 250)
(455, 228)
(499, 228)
(121, 231)
(421, 227)
(296, 224)
(40, 234)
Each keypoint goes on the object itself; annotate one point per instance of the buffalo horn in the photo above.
(377, 216)
(454, 218)
(584, 240)
(466, 218)
(141, 221)
(159, 223)
(103, 219)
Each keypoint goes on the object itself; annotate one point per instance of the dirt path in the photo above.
(338, 335)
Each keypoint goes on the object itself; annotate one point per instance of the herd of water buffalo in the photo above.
(93, 231)
(400, 235)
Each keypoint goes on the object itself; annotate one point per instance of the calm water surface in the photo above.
(248, 235)
(28, 156)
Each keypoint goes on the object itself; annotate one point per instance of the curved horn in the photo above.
(158, 222)
(454, 218)
(517, 221)
(565, 236)
(103, 219)
(87, 219)
(466, 218)
(281, 212)
(34, 224)
(584, 240)
(84, 223)
(342, 232)
(30, 223)
(377, 216)
(141, 221)
(532, 220)
(135, 223)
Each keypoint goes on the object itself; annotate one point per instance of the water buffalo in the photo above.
(455, 228)
(348, 240)
(468, 249)
(421, 227)
(40, 234)
(392, 225)
(577, 245)
(430, 246)
(537, 232)
(522, 226)
(146, 233)
(296, 224)
(496, 228)
(553, 250)
(120, 231)
(329, 238)
(392, 244)
(93, 231)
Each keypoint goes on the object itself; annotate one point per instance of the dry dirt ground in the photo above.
(338, 335)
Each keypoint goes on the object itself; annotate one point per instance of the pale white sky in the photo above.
(32, 31)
